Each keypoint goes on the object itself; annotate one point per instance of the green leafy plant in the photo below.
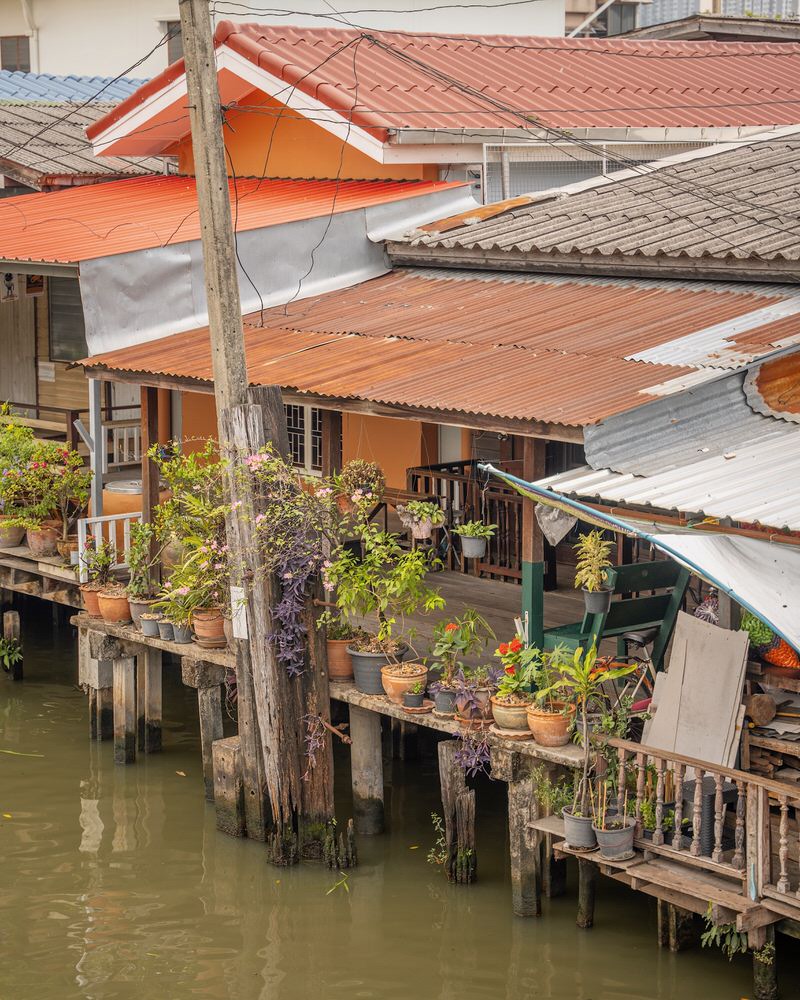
(420, 512)
(437, 855)
(417, 688)
(98, 558)
(723, 936)
(454, 639)
(593, 561)
(554, 796)
(475, 529)
(360, 478)
(520, 665)
(579, 681)
(10, 653)
(338, 628)
(53, 480)
(143, 555)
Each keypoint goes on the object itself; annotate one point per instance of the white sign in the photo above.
(239, 609)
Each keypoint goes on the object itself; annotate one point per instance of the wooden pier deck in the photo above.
(22, 573)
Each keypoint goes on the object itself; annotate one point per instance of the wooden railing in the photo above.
(743, 844)
(114, 528)
(466, 496)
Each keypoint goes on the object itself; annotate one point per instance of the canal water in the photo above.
(115, 884)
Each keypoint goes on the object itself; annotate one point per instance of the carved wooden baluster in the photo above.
(719, 819)
(697, 813)
(640, 775)
(658, 833)
(677, 836)
(783, 845)
(621, 777)
(738, 839)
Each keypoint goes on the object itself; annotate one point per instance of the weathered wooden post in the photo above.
(765, 967)
(11, 631)
(124, 710)
(366, 764)
(524, 844)
(677, 928)
(207, 680)
(587, 883)
(229, 786)
(458, 803)
(149, 699)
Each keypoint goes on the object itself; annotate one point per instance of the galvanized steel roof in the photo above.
(48, 140)
(18, 86)
(510, 346)
(739, 204)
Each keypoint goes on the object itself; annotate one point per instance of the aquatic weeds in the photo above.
(437, 855)
(340, 884)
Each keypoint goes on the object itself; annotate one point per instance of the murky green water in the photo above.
(115, 884)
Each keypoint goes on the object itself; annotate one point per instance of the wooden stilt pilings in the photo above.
(458, 804)
(11, 631)
(124, 709)
(229, 786)
(207, 679)
(765, 968)
(587, 883)
(366, 762)
(677, 928)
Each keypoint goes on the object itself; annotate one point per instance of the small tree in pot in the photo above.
(590, 573)
(453, 640)
(143, 556)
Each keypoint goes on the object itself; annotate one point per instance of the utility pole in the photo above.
(271, 706)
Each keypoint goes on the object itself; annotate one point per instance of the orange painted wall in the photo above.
(300, 148)
(199, 416)
(395, 445)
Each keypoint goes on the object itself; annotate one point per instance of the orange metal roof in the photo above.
(100, 220)
(382, 80)
(778, 384)
(511, 347)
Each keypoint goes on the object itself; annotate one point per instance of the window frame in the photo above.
(51, 285)
(309, 431)
(20, 40)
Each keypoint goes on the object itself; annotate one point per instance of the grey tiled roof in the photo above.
(741, 203)
(49, 139)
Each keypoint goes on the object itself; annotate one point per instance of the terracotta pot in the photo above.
(66, 546)
(90, 602)
(551, 729)
(209, 628)
(509, 716)
(138, 608)
(367, 669)
(172, 553)
(43, 542)
(484, 709)
(10, 535)
(340, 664)
(396, 685)
(114, 608)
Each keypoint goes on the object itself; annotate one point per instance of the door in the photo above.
(18, 352)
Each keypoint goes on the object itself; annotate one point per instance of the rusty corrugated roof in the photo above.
(774, 388)
(516, 347)
(101, 220)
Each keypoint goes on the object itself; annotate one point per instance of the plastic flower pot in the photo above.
(579, 831)
(43, 542)
(209, 628)
(367, 669)
(138, 608)
(90, 603)
(340, 665)
(11, 535)
(513, 717)
(166, 630)
(149, 625)
(473, 548)
(413, 700)
(550, 727)
(181, 633)
(616, 841)
(399, 678)
(114, 607)
(444, 701)
(597, 602)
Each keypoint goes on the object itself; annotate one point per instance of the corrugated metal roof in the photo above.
(703, 452)
(735, 204)
(515, 347)
(100, 220)
(18, 86)
(774, 388)
(49, 140)
(385, 80)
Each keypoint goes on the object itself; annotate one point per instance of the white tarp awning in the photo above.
(762, 576)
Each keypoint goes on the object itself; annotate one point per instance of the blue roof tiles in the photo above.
(16, 86)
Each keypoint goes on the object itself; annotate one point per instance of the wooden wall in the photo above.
(69, 388)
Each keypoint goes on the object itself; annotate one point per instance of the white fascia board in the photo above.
(534, 133)
(138, 118)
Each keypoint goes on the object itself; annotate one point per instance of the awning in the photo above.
(763, 577)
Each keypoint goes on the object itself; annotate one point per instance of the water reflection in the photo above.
(115, 884)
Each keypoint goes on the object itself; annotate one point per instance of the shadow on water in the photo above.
(115, 884)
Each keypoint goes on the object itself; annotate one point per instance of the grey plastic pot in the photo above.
(150, 627)
(165, 630)
(367, 669)
(138, 608)
(444, 702)
(413, 700)
(181, 633)
(473, 548)
(616, 845)
(597, 602)
(579, 831)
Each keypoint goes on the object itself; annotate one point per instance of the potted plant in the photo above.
(579, 680)
(513, 695)
(474, 687)
(359, 480)
(17, 444)
(550, 717)
(397, 678)
(420, 517)
(415, 695)
(614, 831)
(453, 640)
(98, 558)
(387, 582)
(339, 634)
(474, 537)
(590, 573)
(148, 622)
(142, 558)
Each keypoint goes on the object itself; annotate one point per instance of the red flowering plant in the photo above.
(521, 665)
(53, 482)
(454, 639)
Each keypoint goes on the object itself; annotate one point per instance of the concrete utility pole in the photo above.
(271, 707)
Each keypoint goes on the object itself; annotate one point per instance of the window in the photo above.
(67, 331)
(15, 53)
(174, 42)
(304, 424)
